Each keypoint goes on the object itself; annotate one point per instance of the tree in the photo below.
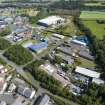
(66, 68)
(5, 32)
(18, 54)
(78, 61)
(58, 60)
(4, 44)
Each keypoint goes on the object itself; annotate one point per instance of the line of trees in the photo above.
(70, 4)
(95, 95)
(34, 19)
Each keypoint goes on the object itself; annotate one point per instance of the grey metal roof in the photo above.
(86, 54)
(24, 91)
(17, 31)
(43, 100)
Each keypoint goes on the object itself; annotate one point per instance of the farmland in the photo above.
(97, 29)
(98, 4)
(89, 19)
(92, 15)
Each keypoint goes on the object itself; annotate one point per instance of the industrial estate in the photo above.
(52, 52)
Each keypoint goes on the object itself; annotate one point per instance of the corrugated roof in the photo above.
(44, 100)
(87, 72)
(51, 20)
(25, 91)
(39, 46)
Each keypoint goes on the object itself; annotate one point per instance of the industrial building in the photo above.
(43, 100)
(87, 72)
(97, 81)
(83, 41)
(3, 24)
(38, 47)
(58, 36)
(25, 91)
(51, 20)
(66, 58)
(23, 33)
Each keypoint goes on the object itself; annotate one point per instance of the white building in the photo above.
(51, 20)
(98, 81)
(58, 36)
(87, 72)
(79, 42)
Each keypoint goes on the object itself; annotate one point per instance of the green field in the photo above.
(98, 4)
(87, 63)
(97, 29)
(92, 15)
(89, 20)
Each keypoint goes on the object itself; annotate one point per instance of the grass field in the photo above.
(97, 29)
(87, 63)
(89, 20)
(94, 4)
(92, 15)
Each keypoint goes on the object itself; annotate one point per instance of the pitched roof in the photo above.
(43, 100)
(25, 91)
(38, 47)
(87, 72)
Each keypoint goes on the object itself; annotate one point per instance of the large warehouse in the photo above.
(50, 21)
(38, 47)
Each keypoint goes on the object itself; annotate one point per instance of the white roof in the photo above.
(51, 20)
(87, 72)
(98, 81)
(58, 35)
(79, 42)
